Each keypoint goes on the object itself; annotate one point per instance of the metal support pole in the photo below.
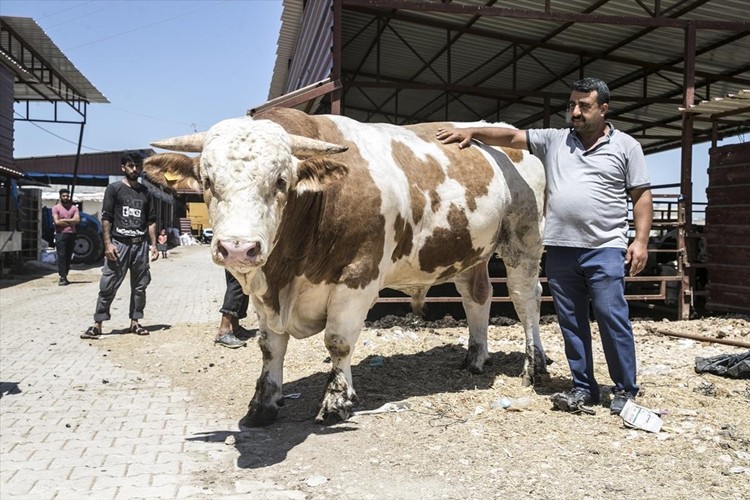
(78, 158)
(336, 95)
(686, 178)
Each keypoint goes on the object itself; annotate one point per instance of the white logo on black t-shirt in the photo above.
(131, 212)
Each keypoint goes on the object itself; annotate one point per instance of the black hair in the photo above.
(63, 190)
(134, 157)
(590, 84)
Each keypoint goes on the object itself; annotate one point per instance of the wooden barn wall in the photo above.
(313, 56)
(6, 117)
(728, 228)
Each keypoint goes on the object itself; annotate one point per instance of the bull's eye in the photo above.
(206, 183)
(281, 184)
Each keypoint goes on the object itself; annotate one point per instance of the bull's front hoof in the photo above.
(259, 416)
(331, 418)
(335, 410)
(338, 400)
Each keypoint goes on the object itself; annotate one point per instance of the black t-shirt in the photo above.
(129, 210)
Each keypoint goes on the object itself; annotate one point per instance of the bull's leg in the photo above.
(526, 294)
(268, 389)
(339, 396)
(346, 316)
(474, 287)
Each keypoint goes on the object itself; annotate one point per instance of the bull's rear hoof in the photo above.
(468, 364)
(259, 416)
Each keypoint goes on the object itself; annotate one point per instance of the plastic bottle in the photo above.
(516, 404)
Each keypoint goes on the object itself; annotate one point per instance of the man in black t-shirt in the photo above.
(129, 226)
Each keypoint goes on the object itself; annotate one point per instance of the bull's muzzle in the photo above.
(236, 253)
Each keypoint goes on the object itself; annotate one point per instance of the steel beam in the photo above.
(454, 8)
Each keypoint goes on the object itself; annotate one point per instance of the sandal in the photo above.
(138, 330)
(91, 333)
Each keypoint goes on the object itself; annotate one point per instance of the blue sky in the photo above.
(169, 67)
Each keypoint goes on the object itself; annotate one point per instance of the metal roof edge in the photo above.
(291, 20)
(32, 34)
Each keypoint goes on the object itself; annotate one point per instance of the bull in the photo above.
(314, 215)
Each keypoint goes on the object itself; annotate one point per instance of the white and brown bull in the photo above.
(314, 215)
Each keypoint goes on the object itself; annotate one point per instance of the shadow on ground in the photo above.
(399, 377)
(34, 269)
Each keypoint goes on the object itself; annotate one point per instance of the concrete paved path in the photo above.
(75, 425)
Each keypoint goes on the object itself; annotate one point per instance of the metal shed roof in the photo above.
(106, 164)
(732, 107)
(11, 172)
(42, 71)
(406, 61)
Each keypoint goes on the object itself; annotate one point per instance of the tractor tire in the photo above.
(88, 248)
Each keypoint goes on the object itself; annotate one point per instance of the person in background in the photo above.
(232, 311)
(591, 168)
(129, 226)
(65, 217)
(161, 243)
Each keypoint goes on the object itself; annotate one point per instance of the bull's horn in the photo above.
(192, 143)
(304, 147)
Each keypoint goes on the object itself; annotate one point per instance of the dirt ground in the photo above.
(453, 441)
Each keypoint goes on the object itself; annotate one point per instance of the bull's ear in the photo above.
(173, 171)
(316, 174)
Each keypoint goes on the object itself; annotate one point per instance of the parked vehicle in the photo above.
(89, 247)
(207, 235)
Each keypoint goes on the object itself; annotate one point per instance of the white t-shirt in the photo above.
(587, 190)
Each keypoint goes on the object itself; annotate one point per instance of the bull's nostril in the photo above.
(254, 250)
(223, 251)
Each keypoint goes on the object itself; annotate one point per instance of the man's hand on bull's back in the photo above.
(449, 136)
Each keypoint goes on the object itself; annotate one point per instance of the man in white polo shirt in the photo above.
(591, 169)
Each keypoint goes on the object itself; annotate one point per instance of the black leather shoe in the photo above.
(619, 398)
(230, 340)
(576, 401)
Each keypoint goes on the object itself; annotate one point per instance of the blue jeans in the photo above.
(578, 277)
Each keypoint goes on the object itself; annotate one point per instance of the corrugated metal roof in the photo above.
(13, 173)
(44, 72)
(406, 62)
(89, 164)
(732, 107)
(291, 18)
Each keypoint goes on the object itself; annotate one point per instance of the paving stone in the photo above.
(67, 435)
